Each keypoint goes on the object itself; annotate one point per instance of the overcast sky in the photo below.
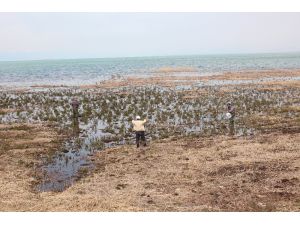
(93, 35)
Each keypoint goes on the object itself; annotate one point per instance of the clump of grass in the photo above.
(21, 127)
(97, 144)
(83, 171)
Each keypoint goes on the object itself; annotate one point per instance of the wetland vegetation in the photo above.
(106, 115)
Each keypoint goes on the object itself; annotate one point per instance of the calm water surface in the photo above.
(90, 71)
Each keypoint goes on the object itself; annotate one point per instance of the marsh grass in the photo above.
(106, 115)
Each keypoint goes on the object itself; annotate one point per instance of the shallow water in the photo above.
(90, 71)
(73, 158)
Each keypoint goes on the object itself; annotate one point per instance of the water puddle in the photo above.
(73, 159)
(67, 164)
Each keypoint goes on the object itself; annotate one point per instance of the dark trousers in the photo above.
(75, 112)
(231, 126)
(140, 136)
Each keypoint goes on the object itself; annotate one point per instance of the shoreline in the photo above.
(172, 77)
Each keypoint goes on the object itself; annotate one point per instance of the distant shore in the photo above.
(173, 77)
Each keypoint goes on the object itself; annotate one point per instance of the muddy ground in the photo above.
(256, 172)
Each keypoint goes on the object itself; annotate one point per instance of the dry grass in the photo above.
(4, 111)
(175, 69)
(269, 85)
(195, 174)
(172, 80)
(21, 146)
(248, 75)
(217, 174)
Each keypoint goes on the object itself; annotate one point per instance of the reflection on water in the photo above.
(231, 127)
(76, 130)
(66, 165)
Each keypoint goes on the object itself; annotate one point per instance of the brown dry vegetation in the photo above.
(171, 76)
(4, 111)
(210, 174)
(175, 69)
(249, 75)
(196, 174)
(166, 78)
(21, 146)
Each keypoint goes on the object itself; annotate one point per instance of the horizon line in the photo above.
(151, 56)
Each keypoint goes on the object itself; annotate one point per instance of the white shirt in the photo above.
(138, 125)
